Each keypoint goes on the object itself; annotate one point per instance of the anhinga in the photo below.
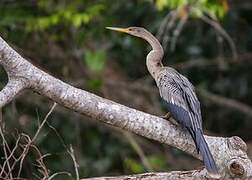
(178, 93)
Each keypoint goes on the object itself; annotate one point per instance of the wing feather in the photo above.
(180, 97)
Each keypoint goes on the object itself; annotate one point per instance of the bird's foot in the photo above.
(168, 117)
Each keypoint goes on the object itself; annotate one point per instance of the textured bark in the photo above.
(229, 153)
(175, 175)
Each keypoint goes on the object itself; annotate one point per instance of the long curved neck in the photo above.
(154, 58)
(152, 41)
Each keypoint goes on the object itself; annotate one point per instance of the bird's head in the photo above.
(134, 31)
(154, 58)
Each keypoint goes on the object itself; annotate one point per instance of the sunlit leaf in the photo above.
(212, 7)
(161, 4)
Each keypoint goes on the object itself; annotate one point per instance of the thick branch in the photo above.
(175, 175)
(229, 153)
(8, 93)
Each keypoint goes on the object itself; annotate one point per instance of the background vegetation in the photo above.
(208, 41)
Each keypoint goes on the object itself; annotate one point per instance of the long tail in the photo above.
(204, 150)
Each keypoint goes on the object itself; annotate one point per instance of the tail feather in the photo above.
(192, 133)
(204, 150)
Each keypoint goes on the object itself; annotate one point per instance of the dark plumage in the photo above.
(183, 104)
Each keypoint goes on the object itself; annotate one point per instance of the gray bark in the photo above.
(229, 153)
(174, 175)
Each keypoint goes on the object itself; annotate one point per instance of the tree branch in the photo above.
(229, 153)
(175, 175)
(8, 93)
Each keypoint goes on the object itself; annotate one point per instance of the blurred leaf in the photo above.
(95, 61)
(134, 166)
(197, 12)
(94, 84)
(213, 7)
(67, 15)
(161, 4)
(158, 162)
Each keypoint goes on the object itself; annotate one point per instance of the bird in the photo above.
(178, 94)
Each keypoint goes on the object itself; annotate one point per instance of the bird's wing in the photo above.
(180, 97)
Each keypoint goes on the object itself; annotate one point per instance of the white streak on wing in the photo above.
(172, 100)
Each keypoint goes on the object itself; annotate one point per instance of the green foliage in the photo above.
(95, 61)
(133, 165)
(48, 13)
(94, 84)
(216, 9)
(68, 15)
(157, 162)
(161, 4)
(213, 7)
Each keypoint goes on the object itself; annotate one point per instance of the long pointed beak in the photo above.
(124, 30)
